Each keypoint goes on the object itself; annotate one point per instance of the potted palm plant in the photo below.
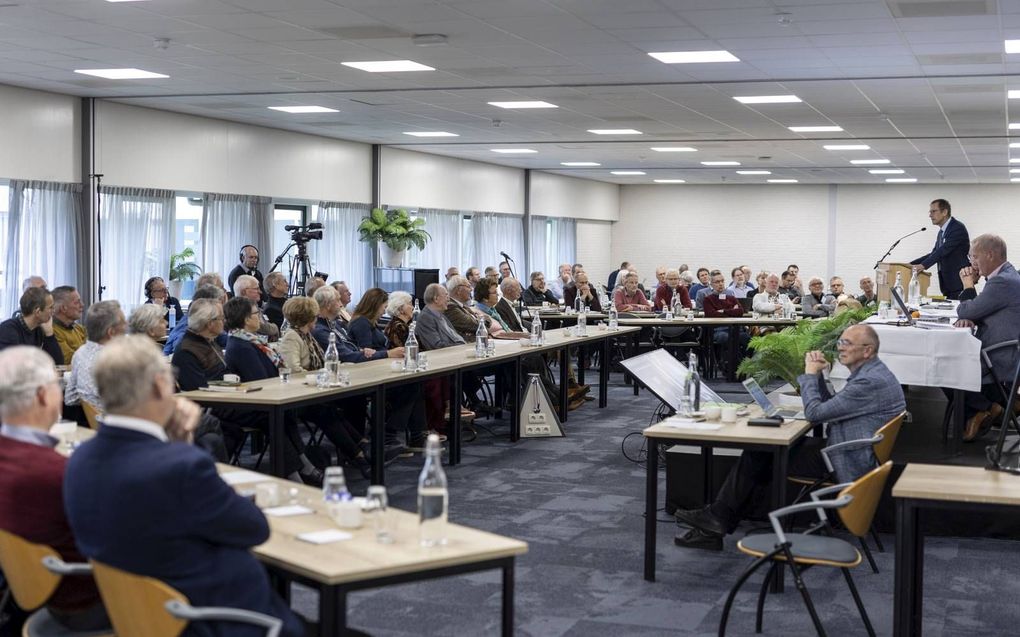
(395, 232)
(182, 269)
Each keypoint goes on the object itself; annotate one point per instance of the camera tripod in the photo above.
(300, 268)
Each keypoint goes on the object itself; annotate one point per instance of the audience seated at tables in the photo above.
(508, 305)
(813, 302)
(202, 292)
(739, 287)
(537, 293)
(67, 309)
(671, 287)
(703, 275)
(103, 322)
(868, 295)
(580, 287)
(313, 284)
(562, 280)
(473, 274)
(328, 322)
(344, 293)
(872, 397)
(148, 320)
(157, 293)
(629, 298)
(277, 289)
(364, 325)
(141, 498)
(249, 287)
(34, 326)
(31, 481)
(613, 280)
(790, 287)
(759, 279)
(769, 301)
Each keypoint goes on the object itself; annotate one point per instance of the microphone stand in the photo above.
(509, 265)
(893, 246)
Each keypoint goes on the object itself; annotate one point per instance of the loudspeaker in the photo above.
(422, 279)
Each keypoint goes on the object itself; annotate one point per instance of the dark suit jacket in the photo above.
(534, 297)
(506, 311)
(347, 348)
(238, 271)
(160, 510)
(464, 322)
(951, 257)
(13, 331)
(996, 311)
(274, 311)
(570, 297)
(248, 361)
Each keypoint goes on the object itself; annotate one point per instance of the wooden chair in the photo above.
(91, 414)
(142, 606)
(855, 504)
(33, 572)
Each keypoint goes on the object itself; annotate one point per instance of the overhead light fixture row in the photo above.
(627, 172)
(869, 162)
(674, 149)
(614, 131)
(303, 109)
(768, 99)
(580, 164)
(388, 66)
(694, 57)
(670, 181)
(720, 163)
(846, 147)
(816, 129)
(122, 74)
(514, 151)
(523, 104)
(431, 133)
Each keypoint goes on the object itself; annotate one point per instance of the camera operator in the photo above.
(249, 261)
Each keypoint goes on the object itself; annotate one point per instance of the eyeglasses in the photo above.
(848, 343)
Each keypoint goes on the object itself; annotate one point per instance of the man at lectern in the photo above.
(950, 250)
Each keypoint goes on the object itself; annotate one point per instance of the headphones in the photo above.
(149, 284)
(240, 255)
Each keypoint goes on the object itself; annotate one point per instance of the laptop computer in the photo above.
(746, 303)
(771, 410)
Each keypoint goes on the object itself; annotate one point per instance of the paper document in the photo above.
(679, 422)
(235, 478)
(324, 537)
(287, 510)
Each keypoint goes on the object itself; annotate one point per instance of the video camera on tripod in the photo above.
(300, 265)
(304, 234)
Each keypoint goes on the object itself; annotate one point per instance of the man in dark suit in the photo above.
(996, 314)
(249, 263)
(950, 250)
(141, 498)
(613, 275)
(507, 306)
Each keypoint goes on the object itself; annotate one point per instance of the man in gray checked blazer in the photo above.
(996, 314)
(872, 397)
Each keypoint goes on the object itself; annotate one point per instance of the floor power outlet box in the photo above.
(538, 417)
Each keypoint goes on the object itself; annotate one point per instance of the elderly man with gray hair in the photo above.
(148, 320)
(204, 292)
(103, 322)
(247, 286)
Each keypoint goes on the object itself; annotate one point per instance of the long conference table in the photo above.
(374, 377)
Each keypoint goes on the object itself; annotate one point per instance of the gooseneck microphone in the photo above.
(896, 243)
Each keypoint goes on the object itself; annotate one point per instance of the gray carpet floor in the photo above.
(579, 503)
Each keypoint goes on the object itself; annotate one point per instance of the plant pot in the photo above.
(390, 258)
(789, 399)
(174, 288)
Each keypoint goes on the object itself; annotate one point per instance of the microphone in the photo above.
(896, 243)
(505, 256)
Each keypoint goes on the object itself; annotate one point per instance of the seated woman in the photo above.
(486, 297)
(363, 326)
(150, 320)
(629, 298)
(157, 294)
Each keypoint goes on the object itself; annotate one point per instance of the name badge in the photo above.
(722, 296)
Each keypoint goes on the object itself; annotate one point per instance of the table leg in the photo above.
(708, 470)
(780, 458)
(959, 421)
(454, 437)
(277, 440)
(631, 352)
(651, 505)
(580, 364)
(515, 401)
(564, 381)
(379, 435)
(508, 599)
(909, 575)
(604, 372)
(332, 610)
(731, 353)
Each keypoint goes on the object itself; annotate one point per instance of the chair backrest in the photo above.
(866, 492)
(136, 604)
(91, 414)
(883, 449)
(31, 583)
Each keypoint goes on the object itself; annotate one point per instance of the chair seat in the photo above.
(808, 481)
(42, 624)
(806, 549)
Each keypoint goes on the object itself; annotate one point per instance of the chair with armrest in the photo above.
(855, 503)
(146, 607)
(33, 572)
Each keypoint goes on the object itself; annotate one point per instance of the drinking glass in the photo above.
(284, 374)
(377, 511)
(490, 348)
(423, 361)
(343, 378)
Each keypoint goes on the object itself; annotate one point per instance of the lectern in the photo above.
(885, 278)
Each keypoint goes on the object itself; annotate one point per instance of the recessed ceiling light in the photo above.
(781, 181)
(431, 133)
(627, 172)
(1012, 46)
(124, 0)
(122, 74)
(1014, 126)
(1014, 179)
(867, 162)
(303, 109)
(1014, 170)
(768, 99)
(388, 66)
(513, 151)
(900, 180)
(816, 129)
(670, 181)
(694, 57)
(1013, 94)
(720, 163)
(1015, 145)
(754, 172)
(674, 149)
(886, 171)
(846, 147)
(523, 104)
(1015, 160)
(614, 131)
(580, 164)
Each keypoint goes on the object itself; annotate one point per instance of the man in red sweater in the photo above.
(719, 304)
(32, 477)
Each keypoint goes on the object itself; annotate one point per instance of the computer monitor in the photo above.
(664, 376)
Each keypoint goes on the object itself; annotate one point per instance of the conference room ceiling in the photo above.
(922, 82)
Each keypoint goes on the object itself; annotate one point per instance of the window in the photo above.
(187, 234)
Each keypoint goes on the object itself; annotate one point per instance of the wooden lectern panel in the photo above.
(885, 278)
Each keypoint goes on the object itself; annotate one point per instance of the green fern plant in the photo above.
(395, 228)
(181, 268)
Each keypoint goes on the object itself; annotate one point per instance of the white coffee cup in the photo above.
(729, 414)
(231, 378)
(347, 514)
(712, 412)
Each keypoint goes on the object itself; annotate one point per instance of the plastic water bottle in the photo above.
(411, 349)
(415, 312)
(898, 285)
(536, 332)
(614, 318)
(695, 385)
(332, 360)
(578, 304)
(334, 490)
(481, 339)
(433, 497)
(914, 291)
(685, 398)
(171, 319)
(582, 323)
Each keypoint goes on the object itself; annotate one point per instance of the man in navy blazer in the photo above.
(996, 315)
(139, 497)
(950, 250)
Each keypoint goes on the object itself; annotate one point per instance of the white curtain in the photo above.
(444, 249)
(231, 221)
(341, 253)
(553, 241)
(136, 228)
(563, 240)
(493, 234)
(538, 247)
(43, 237)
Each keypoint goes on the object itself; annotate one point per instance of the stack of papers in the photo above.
(679, 422)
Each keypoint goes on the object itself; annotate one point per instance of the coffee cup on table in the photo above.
(729, 414)
(713, 412)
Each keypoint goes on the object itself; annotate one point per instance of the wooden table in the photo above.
(926, 486)
(774, 440)
(339, 568)
(375, 377)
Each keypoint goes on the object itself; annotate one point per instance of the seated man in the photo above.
(177, 334)
(868, 295)
(720, 303)
(104, 322)
(434, 330)
(629, 298)
(996, 314)
(872, 397)
(703, 275)
(769, 301)
(740, 288)
(813, 302)
(157, 293)
(583, 288)
(34, 326)
(789, 286)
(277, 289)
(173, 518)
(32, 477)
(248, 287)
(67, 308)
(671, 288)
(343, 315)
(536, 294)
(507, 307)
(454, 270)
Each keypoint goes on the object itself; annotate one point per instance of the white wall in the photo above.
(41, 135)
(412, 179)
(593, 239)
(561, 196)
(159, 149)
